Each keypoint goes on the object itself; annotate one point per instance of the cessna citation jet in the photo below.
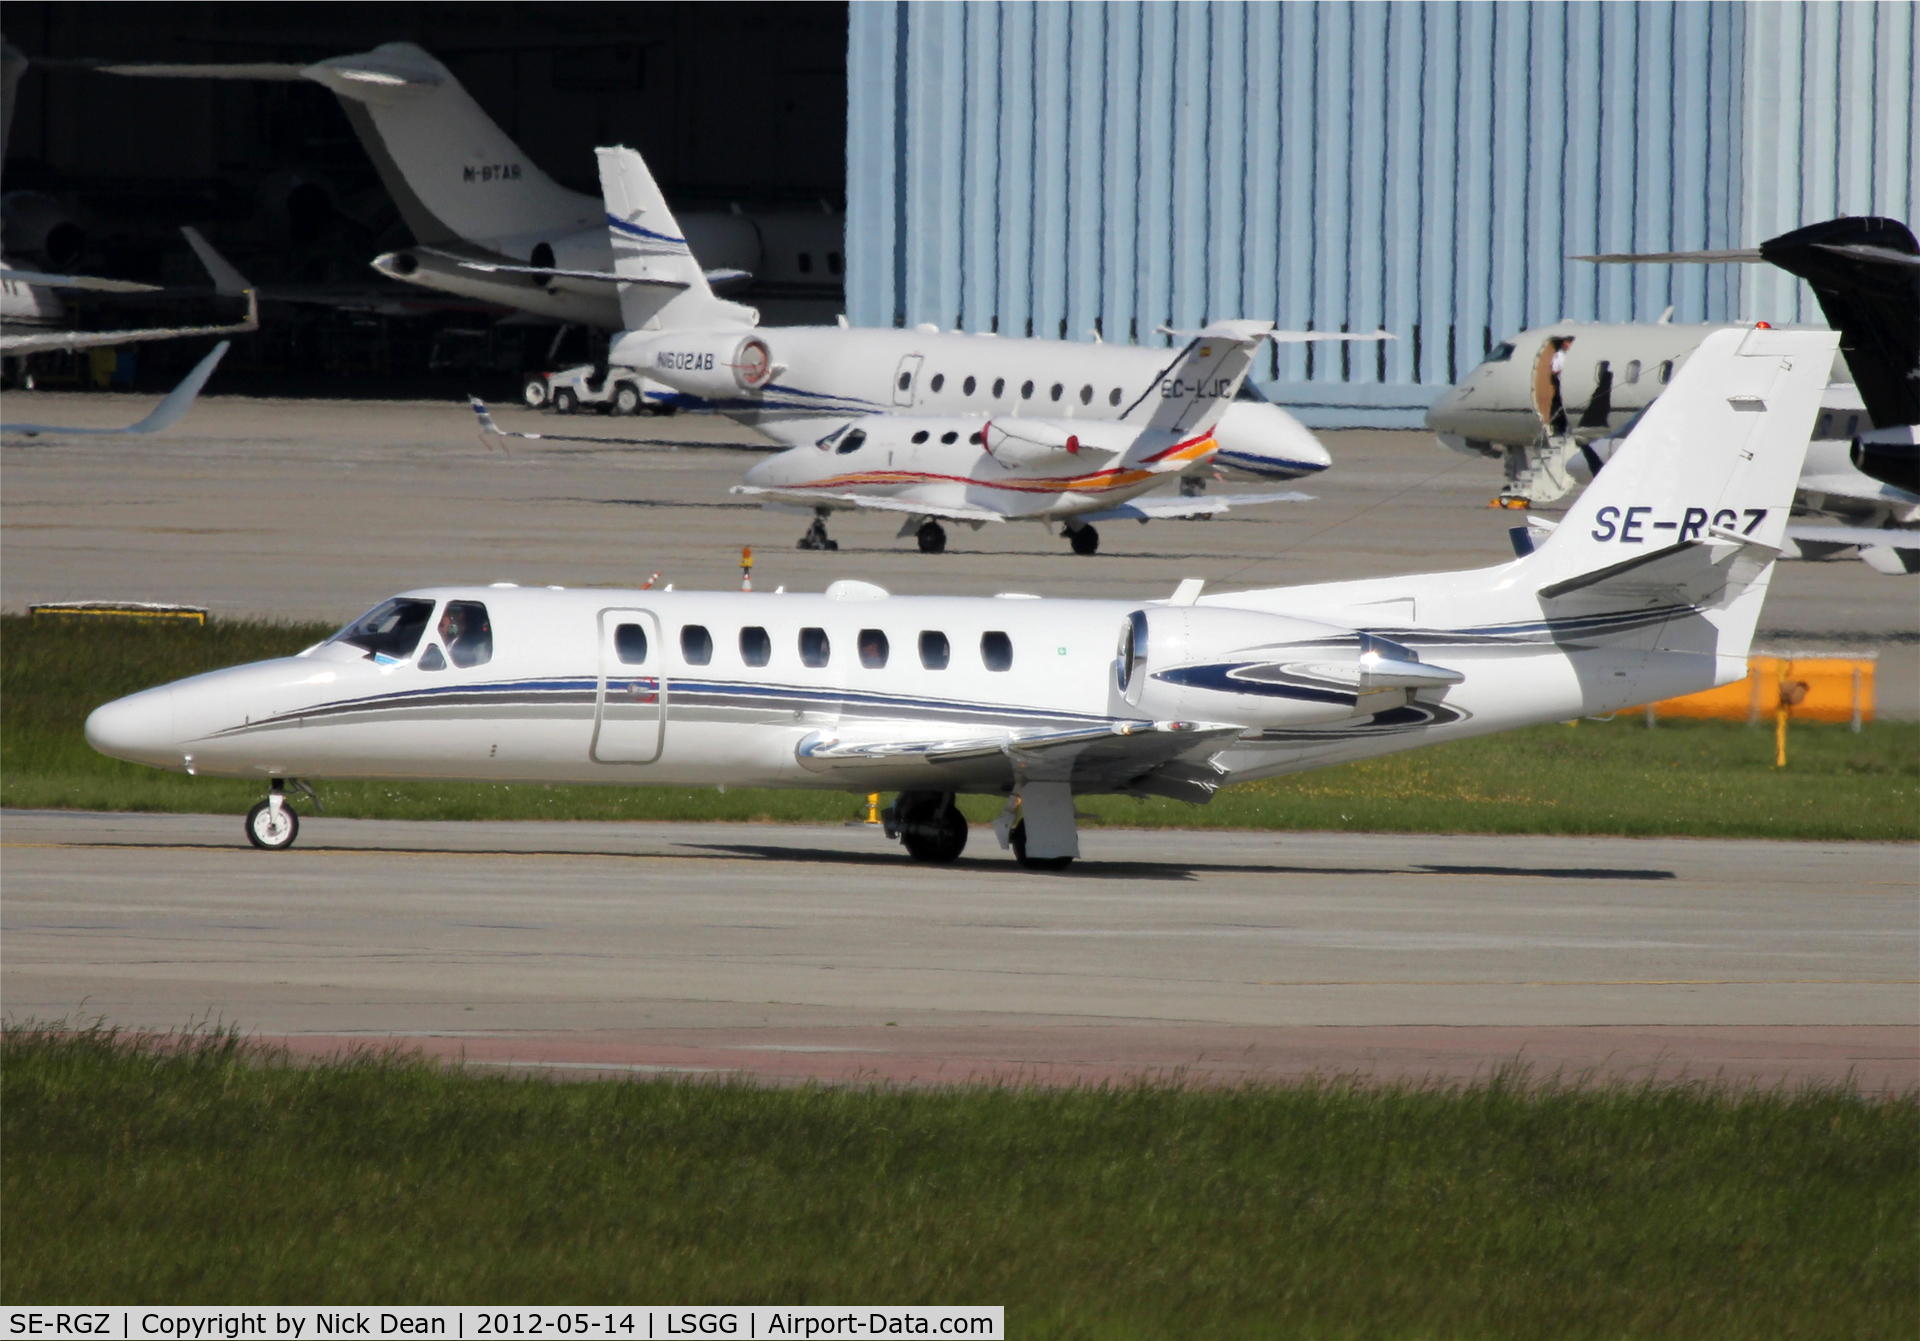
(800, 384)
(1651, 586)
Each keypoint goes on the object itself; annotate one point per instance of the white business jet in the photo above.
(1029, 468)
(798, 384)
(1651, 586)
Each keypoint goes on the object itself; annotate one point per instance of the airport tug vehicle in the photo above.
(1651, 586)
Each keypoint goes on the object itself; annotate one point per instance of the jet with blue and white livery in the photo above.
(1651, 586)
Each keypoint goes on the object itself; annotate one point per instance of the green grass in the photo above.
(209, 1172)
(1700, 778)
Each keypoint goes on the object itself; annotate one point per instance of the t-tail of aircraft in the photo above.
(1691, 512)
(662, 286)
(1191, 394)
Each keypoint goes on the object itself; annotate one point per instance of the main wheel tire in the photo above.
(269, 835)
(534, 392)
(626, 398)
(1019, 840)
(932, 537)
(565, 401)
(940, 842)
(1085, 540)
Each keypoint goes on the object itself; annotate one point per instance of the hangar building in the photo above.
(1067, 169)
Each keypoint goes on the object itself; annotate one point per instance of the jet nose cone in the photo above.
(1440, 415)
(138, 728)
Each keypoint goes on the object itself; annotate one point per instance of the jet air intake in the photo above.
(1198, 664)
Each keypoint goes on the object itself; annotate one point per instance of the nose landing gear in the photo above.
(1083, 538)
(272, 826)
(816, 536)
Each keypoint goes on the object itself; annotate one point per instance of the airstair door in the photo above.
(630, 699)
(905, 380)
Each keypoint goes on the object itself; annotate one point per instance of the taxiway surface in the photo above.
(790, 952)
(318, 509)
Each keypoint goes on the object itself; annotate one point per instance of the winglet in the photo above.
(485, 416)
(228, 282)
(178, 400)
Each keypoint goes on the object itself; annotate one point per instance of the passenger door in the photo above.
(905, 377)
(630, 702)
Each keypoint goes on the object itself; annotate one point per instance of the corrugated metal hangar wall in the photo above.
(1065, 168)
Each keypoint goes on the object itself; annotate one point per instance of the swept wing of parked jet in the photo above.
(1652, 586)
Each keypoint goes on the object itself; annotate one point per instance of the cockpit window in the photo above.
(468, 634)
(1500, 353)
(1248, 391)
(853, 442)
(390, 631)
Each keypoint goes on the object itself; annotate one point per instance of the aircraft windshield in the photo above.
(391, 629)
(1500, 353)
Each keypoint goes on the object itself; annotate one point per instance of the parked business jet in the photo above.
(1028, 468)
(31, 312)
(163, 416)
(1867, 276)
(798, 384)
(468, 192)
(1650, 587)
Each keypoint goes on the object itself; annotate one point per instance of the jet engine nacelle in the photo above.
(1032, 442)
(1204, 664)
(39, 225)
(714, 365)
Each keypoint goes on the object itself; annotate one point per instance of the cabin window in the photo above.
(834, 264)
(465, 630)
(966, 387)
(431, 660)
(814, 647)
(696, 645)
(630, 644)
(1826, 420)
(1666, 372)
(805, 260)
(873, 649)
(906, 381)
(1853, 425)
(978, 438)
(1086, 395)
(1026, 391)
(996, 651)
(1058, 391)
(939, 380)
(853, 442)
(1633, 372)
(391, 630)
(756, 648)
(999, 387)
(1113, 396)
(950, 437)
(921, 436)
(934, 651)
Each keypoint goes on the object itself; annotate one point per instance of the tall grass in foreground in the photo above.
(204, 1171)
(1702, 779)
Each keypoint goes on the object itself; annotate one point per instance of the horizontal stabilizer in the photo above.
(549, 272)
(1692, 570)
(1199, 505)
(1748, 254)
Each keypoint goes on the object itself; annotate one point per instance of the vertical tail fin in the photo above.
(1193, 391)
(662, 285)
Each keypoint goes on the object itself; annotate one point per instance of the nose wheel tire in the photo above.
(1084, 539)
(932, 537)
(1019, 840)
(270, 832)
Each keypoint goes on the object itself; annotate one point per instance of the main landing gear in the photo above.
(932, 537)
(816, 536)
(928, 824)
(272, 825)
(1083, 538)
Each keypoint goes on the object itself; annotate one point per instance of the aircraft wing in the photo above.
(1111, 754)
(822, 498)
(1199, 505)
(32, 342)
(164, 415)
(1885, 549)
